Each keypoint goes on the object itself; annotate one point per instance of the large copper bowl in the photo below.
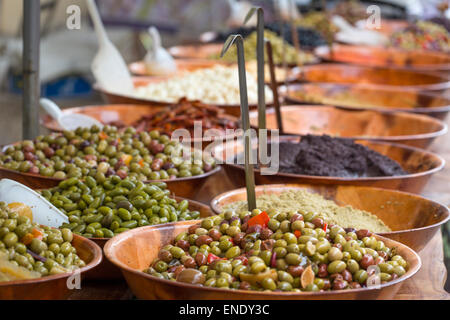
(132, 253)
(128, 114)
(394, 99)
(371, 77)
(200, 51)
(404, 128)
(414, 220)
(183, 187)
(118, 98)
(386, 57)
(107, 271)
(419, 164)
(53, 287)
(139, 68)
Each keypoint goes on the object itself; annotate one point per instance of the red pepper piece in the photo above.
(212, 257)
(273, 260)
(325, 226)
(297, 233)
(261, 219)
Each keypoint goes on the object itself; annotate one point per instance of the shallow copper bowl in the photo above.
(414, 220)
(139, 68)
(419, 164)
(371, 77)
(53, 287)
(386, 57)
(404, 128)
(107, 271)
(126, 113)
(361, 98)
(187, 187)
(131, 252)
(200, 51)
(117, 98)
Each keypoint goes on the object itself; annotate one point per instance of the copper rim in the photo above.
(415, 265)
(443, 126)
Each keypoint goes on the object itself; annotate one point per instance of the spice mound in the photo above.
(277, 252)
(346, 216)
(335, 157)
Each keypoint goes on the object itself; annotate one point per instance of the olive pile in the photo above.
(42, 249)
(276, 251)
(102, 153)
(106, 207)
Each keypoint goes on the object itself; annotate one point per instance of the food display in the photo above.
(102, 153)
(329, 211)
(182, 116)
(218, 85)
(106, 207)
(334, 157)
(40, 250)
(423, 35)
(162, 194)
(276, 251)
(279, 51)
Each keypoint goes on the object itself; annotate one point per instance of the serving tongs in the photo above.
(248, 166)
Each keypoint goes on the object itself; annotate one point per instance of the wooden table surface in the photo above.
(428, 283)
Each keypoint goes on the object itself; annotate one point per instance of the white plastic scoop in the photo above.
(349, 34)
(158, 61)
(68, 121)
(43, 211)
(108, 66)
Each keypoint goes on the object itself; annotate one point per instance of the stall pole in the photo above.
(30, 63)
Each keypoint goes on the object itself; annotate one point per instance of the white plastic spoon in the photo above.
(349, 34)
(108, 66)
(43, 211)
(158, 61)
(68, 121)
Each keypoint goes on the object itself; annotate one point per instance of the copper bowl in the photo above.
(404, 128)
(117, 98)
(187, 187)
(413, 219)
(139, 68)
(53, 287)
(126, 113)
(371, 77)
(362, 98)
(107, 271)
(132, 253)
(419, 164)
(196, 51)
(386, 57)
